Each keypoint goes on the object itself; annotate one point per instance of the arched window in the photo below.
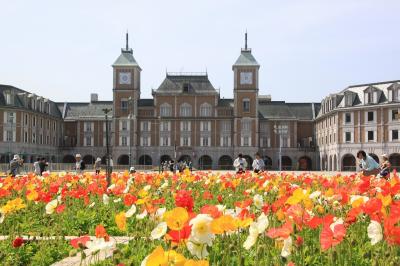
(165, 109)
(205, 109)
(186, 109)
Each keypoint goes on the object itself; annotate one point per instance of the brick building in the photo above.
(186, 119)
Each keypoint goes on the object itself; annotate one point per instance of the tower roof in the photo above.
(126, 58)
(246, 58)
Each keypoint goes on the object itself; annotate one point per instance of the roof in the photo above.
(93, 110)
(280, 110)
(126, 59)
(246, 59)
(225, 103)
(22, 99)
(146, 103)
(196, 83)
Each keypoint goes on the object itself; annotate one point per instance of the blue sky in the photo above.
(307, 49)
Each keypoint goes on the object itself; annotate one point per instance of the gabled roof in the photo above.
(280, 110)
(246, 59)
(93, 110)
(225, 103)
(186, 83)
(126, 59)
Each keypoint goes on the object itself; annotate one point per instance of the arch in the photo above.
(205, 109)
(394, 160)
(268, 162)
(286, 163)
(249, 161)
(373, 155)
(205, 162)
(185, 109)
(68, 159)
(225, 162)
(305, 163)
(348, 162)
(123, 159)
(165, 157)
(185, 158)
(88, 159)
(145, 160)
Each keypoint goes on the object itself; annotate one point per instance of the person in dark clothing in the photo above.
(42, 165)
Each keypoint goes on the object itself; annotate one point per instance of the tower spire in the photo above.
(245, 40)
(127, 40)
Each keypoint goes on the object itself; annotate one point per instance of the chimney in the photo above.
(94, 97)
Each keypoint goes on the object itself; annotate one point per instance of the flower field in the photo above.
(202, 218)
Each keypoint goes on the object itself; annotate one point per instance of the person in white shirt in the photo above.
(258, 164)
(36, 167)
(240, 164)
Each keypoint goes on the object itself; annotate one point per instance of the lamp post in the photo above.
(280, 130)
(108, 176)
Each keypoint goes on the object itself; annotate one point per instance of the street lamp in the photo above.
(280, 130)
(108, 174)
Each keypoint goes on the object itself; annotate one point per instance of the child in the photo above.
(385, 167)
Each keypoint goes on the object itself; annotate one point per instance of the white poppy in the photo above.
(262, 223)
(375, 232)
(106, 199)
(159, 214)
(117, 200)
(198, 250)
(51, 206)
(2, 216)
(131, 211)
(258, 201)
(287, 247)
(99, 244)
(159, 231)
(142, 215)
(250, 241)
(147, 188)
(92, 204)
(201, 229)
(314, 195)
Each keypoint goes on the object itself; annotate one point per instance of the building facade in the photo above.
(186, 119)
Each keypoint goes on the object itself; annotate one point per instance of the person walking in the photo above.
(42, 165)
(80, 164)
(258, 164)
(15, 164)
(368, 165)
(97, 165)
(36, 167)
(240, 164)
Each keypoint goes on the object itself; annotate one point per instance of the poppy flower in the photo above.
(331, 237)
(282, 232)
(19, 241)
(176, 236)
(79, 242)
(184, 199)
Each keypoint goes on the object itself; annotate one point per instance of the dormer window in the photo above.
(349, 99)
(393, 94)
(370, 96)
(8, 97)
(186, 87)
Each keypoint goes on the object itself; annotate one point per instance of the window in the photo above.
(145, 141)
(395, 114)
(205, 126)
(41, 123)
(395, 134)
(124, 141)
(9, 135)
(8, 97)
(165, 141)
(225, 141)
(348, 136)
(186, 109)
(246, 141)
(33, 138)
(186, 87)
(145, 126)
(185, 141)
(10, 117)
(205, 109)
(124, 104)
(124, 125)
(246, 125)
(26, 120)
(370, 135)
(349, 99)
(34, 122)
(165, 126)
(225, 126)
(25, 136)
(165, 109)
(185, 126)
(88, 126)
(205, 141)
(246, 105)
(347, 118)
(370, 116)
(369, 96)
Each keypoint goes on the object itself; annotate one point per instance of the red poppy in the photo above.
(100, 231)
(211, 210)
(19, 241)
(314, 222)
(184, 199)
(178, 236)
(219, 198)
(299, 241)
(329, 238)
(60, 208)
(282, 232)
(129, 200)
(79, 242)
(207, 195)
(352, 215)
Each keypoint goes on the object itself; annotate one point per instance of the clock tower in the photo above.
(126, 94)
(245, 74)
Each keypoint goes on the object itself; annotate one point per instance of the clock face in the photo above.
(246, 78)
(125, 78)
